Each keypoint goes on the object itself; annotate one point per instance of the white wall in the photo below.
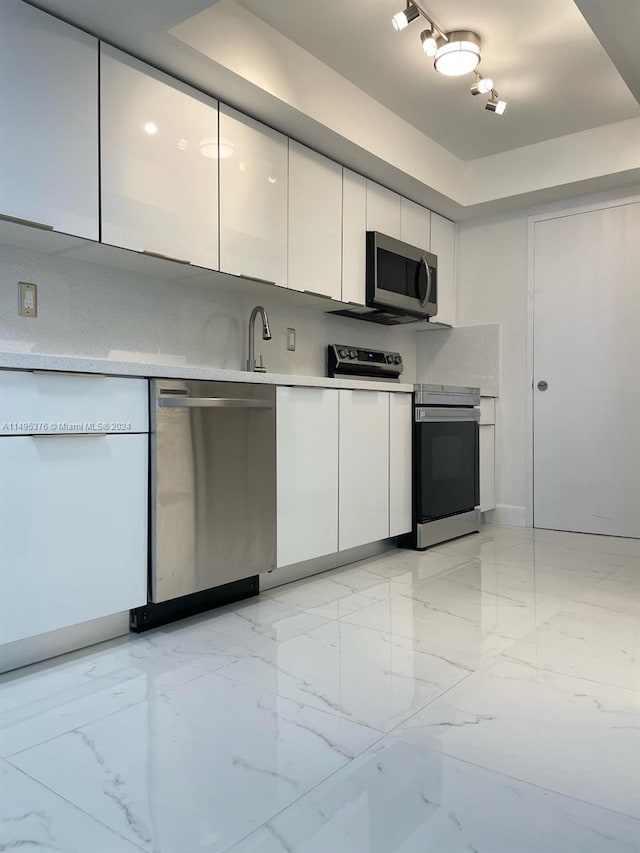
(491, 275)
(85, 309)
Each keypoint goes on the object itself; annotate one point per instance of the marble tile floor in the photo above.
(482, 696)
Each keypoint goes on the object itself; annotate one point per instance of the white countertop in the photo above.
(73, 364)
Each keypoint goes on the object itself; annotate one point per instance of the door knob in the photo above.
(542, 385)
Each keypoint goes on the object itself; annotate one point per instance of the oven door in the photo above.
(447, 460)
(401, 277)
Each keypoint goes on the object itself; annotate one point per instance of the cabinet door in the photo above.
(253, 198)
(315, 222)
(159, 163)
(73, 530)
(400, 463)
(307, 473)
(364, 467)
(354, 227)
(487, 468)
(383, 210)
(443, 244)
(49, 125)
(415, 224)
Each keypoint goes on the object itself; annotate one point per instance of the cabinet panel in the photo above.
(49, 127)
(487, 410)
(415, 224)
(400, 463)
(487, 468)
(443, 244)
(383, 210)
(253, 199)
(73, 530)
(68, 402)
(364, 467)
(307, 473)
(354, 227)
(315, 222)
(159, 163)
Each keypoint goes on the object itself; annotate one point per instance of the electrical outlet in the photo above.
(291, 340)
(28, 299)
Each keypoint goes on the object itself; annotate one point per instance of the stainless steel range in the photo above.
(446, 474)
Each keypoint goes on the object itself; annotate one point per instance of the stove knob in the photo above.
(353, 354)
(389, 359)
(398, 359)
(343, 353)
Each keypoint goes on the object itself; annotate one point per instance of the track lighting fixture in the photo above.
(455, 53)
(429, 42)
(495, 105)
(482, 86)
(401, 20)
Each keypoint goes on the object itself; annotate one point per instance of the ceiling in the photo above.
(542, 55)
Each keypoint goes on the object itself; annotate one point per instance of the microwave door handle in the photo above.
(427, 268)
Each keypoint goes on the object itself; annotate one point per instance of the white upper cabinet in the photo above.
(253, 198)
(443, 244)
(364, 468)
(383, 210)
(315, 222)
(307, 473)
(415, 224)
(400, 463)
(159, 163)
(354, 227)
(49, 121)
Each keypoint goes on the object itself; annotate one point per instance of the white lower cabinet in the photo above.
(73, 530)
(307, 473)
(363, 467)
(487, 454)
(400, 463)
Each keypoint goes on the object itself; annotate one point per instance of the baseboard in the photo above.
(298, 571)
(54, 643)
(513, 516)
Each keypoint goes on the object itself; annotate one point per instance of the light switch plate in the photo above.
(28, 299)
(291, 340)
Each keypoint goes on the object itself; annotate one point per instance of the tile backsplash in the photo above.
(90, 310)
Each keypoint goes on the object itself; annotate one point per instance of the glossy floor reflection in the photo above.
(482, 696)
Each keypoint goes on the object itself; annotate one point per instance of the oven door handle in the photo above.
(425, 263)
(443, 414)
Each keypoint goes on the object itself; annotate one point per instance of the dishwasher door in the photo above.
(213, 484)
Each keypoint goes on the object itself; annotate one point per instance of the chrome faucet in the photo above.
(266, 336)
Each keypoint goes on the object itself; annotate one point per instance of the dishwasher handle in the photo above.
(214, 403)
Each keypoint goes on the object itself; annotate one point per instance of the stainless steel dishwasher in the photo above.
(213, 485)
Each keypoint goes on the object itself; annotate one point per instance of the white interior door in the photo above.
(587, 351)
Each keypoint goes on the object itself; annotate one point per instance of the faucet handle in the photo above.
(260, 368)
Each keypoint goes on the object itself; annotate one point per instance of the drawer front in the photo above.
(487, 410)
(35, 403)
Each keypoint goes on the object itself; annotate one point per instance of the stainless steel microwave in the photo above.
(401, 278)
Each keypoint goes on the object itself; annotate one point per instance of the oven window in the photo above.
(447, 468)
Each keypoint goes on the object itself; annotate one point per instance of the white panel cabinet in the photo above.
(443, 244)
(400, 463)
(487, 468)
(383, 210)
(73, 530)
(253, 198)
(315, 222)
(49, 125)
(159, 162)
(307, 473)
(415, 224)
(354, 227)
(364, 468)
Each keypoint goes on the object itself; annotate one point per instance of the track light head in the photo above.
(458, 53)
(429, 42)
(401, 20)
(482, 86)
(495, 105)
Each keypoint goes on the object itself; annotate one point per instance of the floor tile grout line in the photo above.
(64, 799)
